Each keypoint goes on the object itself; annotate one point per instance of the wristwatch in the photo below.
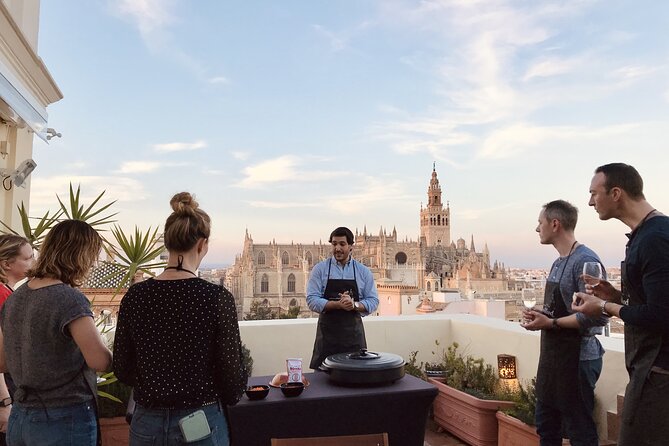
(6, 402)
(356, 305)
(603, 305)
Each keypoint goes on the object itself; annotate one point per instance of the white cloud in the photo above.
(139, 167)
(284, 169)
(337, 42)
(154, 19)
(282, 205)
(516, 139)
(43, 190)
(150, 16)
(632, 73)
(550, 67)
(218, 80)
(214, 172)
(180, 146)
(482, 104)
(372, 192)
(240, 155)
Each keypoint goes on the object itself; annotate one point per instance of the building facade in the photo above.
(26, 90)
(276, 275)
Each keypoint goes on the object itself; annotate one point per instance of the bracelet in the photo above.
(555, 324)
(603, 306)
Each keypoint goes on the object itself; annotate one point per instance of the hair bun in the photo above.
(184, 203)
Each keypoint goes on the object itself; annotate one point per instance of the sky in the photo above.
(288, 119)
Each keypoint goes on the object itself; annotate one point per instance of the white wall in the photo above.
(271, 342)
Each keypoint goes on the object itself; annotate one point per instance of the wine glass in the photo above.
(529, 299)
(592, 273)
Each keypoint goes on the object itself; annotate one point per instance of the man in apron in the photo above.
(571, 358)
(616, 191)
(341, 290)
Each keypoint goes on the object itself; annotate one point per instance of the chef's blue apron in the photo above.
(558, 373)
(338, 331)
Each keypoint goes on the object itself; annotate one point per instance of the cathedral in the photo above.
(276, 275)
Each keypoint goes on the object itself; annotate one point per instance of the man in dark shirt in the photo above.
(616, 192)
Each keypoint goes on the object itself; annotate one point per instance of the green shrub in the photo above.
(248, 360)
(526, 402)
(108, 408)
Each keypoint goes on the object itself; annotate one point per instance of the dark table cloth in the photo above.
(326, 409)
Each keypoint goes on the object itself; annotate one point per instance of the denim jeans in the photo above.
(588, 374)
(52, 426)
(160, 427)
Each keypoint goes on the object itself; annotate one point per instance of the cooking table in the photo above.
(326, 409)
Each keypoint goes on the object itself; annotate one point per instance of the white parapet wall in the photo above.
(271, 342)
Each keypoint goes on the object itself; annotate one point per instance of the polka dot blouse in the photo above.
(177, 343)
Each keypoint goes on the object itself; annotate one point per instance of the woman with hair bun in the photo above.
(177, 342)
(50, 345)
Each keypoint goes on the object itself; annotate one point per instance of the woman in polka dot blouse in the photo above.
(177, 340)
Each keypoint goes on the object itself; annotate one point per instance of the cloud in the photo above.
(516, 139)
(43, 190)
(372, 192)
(284, 169)
(629, 74)
(340, 40)
(154, 20)
(240, 155)
(282, 205)
(550, 67)
(139, 167)
(483, 102)
(214, 172)
(337, 42)
(218, 80)
(150, 16)
(180, 146)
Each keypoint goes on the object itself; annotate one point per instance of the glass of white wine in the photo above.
(592, 273)
(529, 299)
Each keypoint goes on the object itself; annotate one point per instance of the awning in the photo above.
(19, 107)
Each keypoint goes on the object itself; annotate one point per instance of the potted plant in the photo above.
(113, 398)
(517, 424)
(469, 397)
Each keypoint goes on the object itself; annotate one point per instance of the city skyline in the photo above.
(291, 119)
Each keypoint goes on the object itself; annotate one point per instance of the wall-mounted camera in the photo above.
(17, 177)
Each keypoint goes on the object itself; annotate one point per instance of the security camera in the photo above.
(18, 176)
(52, 133)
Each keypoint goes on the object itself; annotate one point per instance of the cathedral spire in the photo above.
(471, 247)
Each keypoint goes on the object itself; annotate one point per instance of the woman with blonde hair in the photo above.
(50, 345)
(177, 342)
(16, 258)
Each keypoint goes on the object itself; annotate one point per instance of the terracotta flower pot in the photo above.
(513, 432)
(465, 416)
(115, 431)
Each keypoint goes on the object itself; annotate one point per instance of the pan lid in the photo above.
(363, 360)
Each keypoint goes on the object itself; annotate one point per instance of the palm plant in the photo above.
(35, 235)
(75, 210)
(134, 253)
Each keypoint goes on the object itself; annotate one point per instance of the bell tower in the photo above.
(435, 224)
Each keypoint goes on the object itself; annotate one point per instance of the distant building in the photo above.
(277, 274)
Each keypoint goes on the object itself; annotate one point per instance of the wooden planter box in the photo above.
(513, 432)
(115, 431)
(469, 418)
